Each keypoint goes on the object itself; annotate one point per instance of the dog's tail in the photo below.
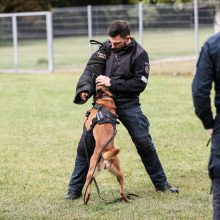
(110, 154)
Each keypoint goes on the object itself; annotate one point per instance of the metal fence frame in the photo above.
(15, 42)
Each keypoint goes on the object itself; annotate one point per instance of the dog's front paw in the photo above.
(124, 197)
(86, 199)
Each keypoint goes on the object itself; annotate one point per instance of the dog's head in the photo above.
(105, 98)
(102, 91)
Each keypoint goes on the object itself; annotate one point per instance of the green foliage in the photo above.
(161, 1)
(8, 6)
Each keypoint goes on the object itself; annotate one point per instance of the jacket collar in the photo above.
(126, 48)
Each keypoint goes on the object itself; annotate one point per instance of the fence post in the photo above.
(89, 15)
(196, 28)
(15, 40)
(217, 21)
(50, 41)
(140, 16)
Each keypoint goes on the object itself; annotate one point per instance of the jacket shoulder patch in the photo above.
(101, 55)
(147, 68)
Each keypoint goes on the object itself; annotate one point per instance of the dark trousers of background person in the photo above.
(214, 169)
(216, 198)
(137, 126)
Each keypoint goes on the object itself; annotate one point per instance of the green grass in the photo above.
(39, 132)
(74, 51)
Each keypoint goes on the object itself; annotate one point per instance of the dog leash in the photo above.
(95, 42)
(129, 196)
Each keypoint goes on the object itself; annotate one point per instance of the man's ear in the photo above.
(128, 38)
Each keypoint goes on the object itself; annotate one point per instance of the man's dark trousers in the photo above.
(137, 125)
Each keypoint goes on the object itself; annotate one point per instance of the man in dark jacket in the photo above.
(123, 66)
(207, 73)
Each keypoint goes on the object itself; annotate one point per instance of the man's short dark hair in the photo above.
(119, 27)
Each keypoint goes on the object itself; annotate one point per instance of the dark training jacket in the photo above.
(128, 70)
(207, 72)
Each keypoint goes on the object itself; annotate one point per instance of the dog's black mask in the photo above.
(99, 93)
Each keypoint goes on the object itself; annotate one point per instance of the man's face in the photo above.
(118, 43)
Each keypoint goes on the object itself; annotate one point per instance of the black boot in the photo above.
(167, 188)
(72, 195)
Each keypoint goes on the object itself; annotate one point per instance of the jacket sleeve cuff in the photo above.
(77, 99)
(207, 120)
(208, 125)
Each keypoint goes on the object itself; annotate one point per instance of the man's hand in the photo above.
(210, 131)
(103, 81)
(84, 95)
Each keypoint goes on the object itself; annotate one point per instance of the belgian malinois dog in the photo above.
(105, 154)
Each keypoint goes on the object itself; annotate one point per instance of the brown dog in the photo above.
(104, 156)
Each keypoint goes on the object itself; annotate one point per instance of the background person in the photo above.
(207, 73)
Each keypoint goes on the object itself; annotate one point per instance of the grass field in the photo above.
(73, 51)
(39, 133)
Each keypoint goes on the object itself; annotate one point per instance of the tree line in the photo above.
(8, 6)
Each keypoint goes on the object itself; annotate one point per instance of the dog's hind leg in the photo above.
(120, 179)
(115, 169)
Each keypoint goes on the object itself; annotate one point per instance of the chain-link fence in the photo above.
(165, 31)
